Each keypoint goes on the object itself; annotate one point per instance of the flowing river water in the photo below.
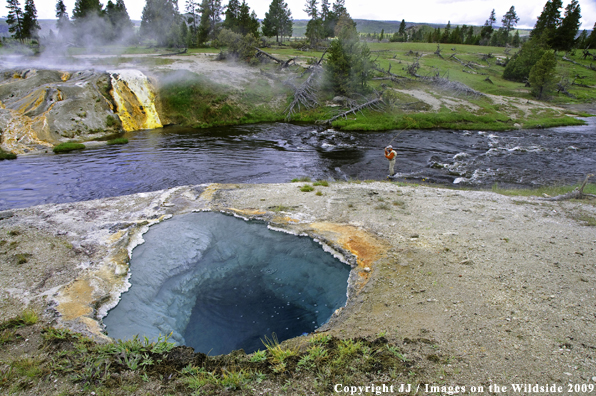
(269, 153)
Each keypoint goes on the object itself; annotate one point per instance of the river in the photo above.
(270, 153)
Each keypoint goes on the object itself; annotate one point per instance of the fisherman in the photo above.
(390, 155)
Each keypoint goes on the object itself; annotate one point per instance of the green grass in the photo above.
(68, 146)
(121, 140)
(307, 188)
(195, 100)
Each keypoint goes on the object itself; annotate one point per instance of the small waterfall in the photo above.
(135, 100)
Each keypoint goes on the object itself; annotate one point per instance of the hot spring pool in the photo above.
(218, 283)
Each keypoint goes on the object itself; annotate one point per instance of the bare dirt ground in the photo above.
(485, 289)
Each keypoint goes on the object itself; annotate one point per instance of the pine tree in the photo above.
(211, 12)
(63, 23)
(192, 9)
(278, 21)
(548, 22)
(591, 42)
(314, 27)
(487, 30)
(542, 75)
(348, 64)
(445, 36)
(247, 21)
(14, 20)
(160, 21)
(232, 15)
(516, 40)
(120, 25)
(30, 25)
(402, 27)
(510, 19)
(565, 34)
(84, 8)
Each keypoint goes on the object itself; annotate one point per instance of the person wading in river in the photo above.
(390, 155)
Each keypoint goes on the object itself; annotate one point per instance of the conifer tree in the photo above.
(542, 75)
(14, 19)
(591, 41)
(487, 30)
(510, 19)
(30, 25)
(63, 23)
(348, 64)
(278, 21)
(402, 27)
(84, 8)
(161, 21)
(548, 22)
(247, 21)
(119, 23)
(566, 32)
(232, 15)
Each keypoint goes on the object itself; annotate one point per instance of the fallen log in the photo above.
(387, 72)
(577, 193)
(591, 67)
(261, 52)
(371, 103)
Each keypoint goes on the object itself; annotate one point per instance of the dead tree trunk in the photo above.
(591, 67)
(375, 103)
(578, 193)
(304, 95)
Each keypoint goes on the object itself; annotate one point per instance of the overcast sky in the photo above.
(471, 12)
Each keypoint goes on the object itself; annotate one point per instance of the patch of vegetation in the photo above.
(121, 140)
(111, 121)
(323, 183)
(307, 188)
(27, 318)
(584, 217)
(7, 156)
(195, 100)
(126, 366)
(22, 258)
(552, 191)
(301, 179)
(68, 146)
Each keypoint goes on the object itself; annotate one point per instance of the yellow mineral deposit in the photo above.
(65, 76)
(135, 100)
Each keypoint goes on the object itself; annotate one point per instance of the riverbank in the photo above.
(198, 90)
(466, 288)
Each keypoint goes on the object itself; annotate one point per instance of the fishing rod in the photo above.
(399, 133)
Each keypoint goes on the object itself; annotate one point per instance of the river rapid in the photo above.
(270, 153)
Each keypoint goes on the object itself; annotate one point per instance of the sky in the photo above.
(470, 12)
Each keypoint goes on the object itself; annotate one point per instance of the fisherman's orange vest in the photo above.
(391, 154)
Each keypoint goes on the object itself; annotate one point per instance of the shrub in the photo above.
(7, 156)
(121, 140)
(542, 75)
(518, 68)
(68, 146)
(307, 188)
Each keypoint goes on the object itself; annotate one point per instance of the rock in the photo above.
(41, 108)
